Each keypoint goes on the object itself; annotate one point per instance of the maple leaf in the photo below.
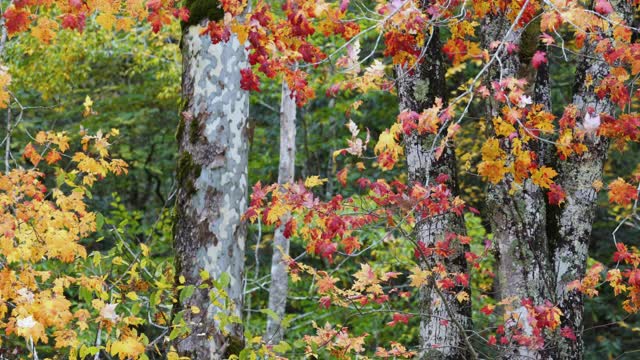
(539, 58)
(547, 39)
(16, 20)
(543, 176)
(621, 192)
(325, 282)
(45, 30)
(603, 7)
(399, 318)
(556, 195)
(419, 276)
(342, 176)
(74, 21)
(313, 181)
(52, 157)
(387, 148)
(493, 170)
(568, 333)
(249, 81)
(487, 309)
(128, 347)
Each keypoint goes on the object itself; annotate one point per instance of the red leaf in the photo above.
(568, 333)
(487, 309)
(342, 176)
(16, 20)
(325, 302)
(603, 7)
(399, 318)
(492, 340)
(289, 228)
(539, 58)
(249, 80)
(182, 14)
(556, 195)
(217, 32)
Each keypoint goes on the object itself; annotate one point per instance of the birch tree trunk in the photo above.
(573, 221)
(443, 319)
(279, 276)
(209, 234)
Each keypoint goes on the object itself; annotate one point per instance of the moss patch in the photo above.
(187, 171)
(202, 9)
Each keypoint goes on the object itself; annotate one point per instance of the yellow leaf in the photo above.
(462, 296)
(543, 176)
(491, 150)
(45, 30)
(106, 20)
(195, 309)
(241, 31)
(314, 181)
(145, 250)
(132, 296)
(5, 80)
(419, 276)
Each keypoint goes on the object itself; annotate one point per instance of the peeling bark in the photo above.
(209, 233)
(279, 276)
(417, 90)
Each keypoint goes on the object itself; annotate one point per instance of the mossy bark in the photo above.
(418, 89)
(209, 233)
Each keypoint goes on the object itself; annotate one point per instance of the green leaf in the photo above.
(282, 347)
(99, 221)
(186, 292)
(223, 280)
(272, 314)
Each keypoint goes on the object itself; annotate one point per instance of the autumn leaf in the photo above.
(539, 58)
(313, 181)
(419, 276)
(543, 176)
(621, 192)
(249, 81)
(16, 20)
(556, 195)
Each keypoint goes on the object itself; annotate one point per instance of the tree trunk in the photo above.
(443, 319)
(279, 276)
(209, 233)
(517, 213)
(573, 221)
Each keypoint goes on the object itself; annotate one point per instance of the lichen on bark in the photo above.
(209, 234)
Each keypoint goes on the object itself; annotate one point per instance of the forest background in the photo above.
(124, 85)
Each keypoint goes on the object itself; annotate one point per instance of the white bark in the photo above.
(518, 219)
(574, 220)
(279, 276)
(212, 174)
(443, 319)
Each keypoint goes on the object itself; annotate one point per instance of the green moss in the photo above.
(194, 131)
(187, 171)
(202, 9)
(236, 344)
(180, 130)
(529, 41)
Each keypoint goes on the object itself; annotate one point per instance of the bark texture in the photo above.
(517, 212)
(209, 233)
(572, 222)
(417, 90)
(286, 167)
